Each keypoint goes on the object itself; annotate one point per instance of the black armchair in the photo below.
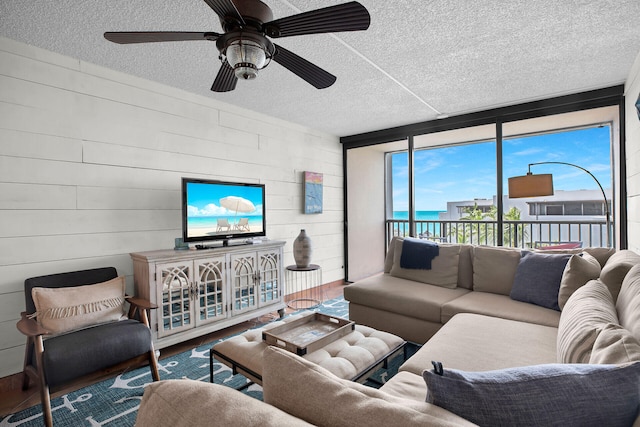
(57, 360)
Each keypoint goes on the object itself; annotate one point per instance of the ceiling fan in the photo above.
(245, 47)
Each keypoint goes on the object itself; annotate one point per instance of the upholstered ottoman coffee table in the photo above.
(354, 356)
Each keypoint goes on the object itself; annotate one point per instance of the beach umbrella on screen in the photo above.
(237, 204)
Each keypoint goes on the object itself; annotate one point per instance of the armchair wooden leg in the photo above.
(153, 362)
(153, 365)
(44, 388)
(46, 407)
(27, 358)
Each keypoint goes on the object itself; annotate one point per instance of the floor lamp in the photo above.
(531, 185)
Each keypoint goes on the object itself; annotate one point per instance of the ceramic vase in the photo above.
(302, 250)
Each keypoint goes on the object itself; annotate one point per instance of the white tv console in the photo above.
(202, 291)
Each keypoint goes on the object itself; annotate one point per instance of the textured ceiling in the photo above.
(418, 59)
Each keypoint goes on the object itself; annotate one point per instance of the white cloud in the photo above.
(209, 210)
(528, 152)
(258, 211)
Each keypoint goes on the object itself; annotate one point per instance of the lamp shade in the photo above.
(531, 185)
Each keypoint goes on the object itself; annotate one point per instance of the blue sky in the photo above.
(204, 199)
(466, 172)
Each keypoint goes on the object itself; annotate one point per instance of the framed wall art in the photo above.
(312, 193)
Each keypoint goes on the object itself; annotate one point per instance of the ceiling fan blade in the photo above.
(350, 16)
(304, 69)
(126, 37)
(225, 80)
(224, 8)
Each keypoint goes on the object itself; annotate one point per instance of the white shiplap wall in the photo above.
(90, 168)
(632, 128)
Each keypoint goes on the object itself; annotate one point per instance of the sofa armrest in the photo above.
(290, 383)
(196, 403)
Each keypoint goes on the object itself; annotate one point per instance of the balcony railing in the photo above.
(520, 234)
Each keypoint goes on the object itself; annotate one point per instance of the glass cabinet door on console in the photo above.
(211, 297)
(175, 289)
(192, 294)
(256, 280)
(244, 282)
(271, 282)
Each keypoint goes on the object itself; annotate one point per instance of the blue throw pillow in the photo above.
(538, 277)
(541, 395)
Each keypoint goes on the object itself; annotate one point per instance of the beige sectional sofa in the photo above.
(504, 352)
(407, 303)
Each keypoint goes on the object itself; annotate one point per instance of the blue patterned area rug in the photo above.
(114, 402)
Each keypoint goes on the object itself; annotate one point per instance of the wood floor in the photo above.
(14, 399)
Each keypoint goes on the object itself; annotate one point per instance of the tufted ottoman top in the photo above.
(347, 357)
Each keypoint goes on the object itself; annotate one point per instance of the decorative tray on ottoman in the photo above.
(308, 333)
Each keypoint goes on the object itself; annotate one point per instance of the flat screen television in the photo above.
(222, 211)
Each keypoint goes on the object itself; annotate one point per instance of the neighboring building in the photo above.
(569, 216)
(457, 210)
(578, 205)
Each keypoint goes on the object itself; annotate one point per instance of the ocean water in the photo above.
(212, 221)
(429, 229)
(420, 215)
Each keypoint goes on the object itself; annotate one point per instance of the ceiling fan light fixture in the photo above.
(244, 46)
(246, 57)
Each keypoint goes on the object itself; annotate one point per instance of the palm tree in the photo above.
(478, 234)
(474, 232)
(520, 233)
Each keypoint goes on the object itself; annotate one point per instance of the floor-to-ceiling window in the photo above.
(454, 177)
(579, 211)
(448, 180)
(456, 195)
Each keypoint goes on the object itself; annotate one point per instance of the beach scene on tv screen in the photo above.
(219, 209)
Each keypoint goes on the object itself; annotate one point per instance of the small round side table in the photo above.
(304, 284)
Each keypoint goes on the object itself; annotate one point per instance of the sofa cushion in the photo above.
(540, 395)
(291, 383)
(586, 313)
(477, 343)
(615, 345)
(196, 403)
(494, 269)
(66, 309)
(465, 267)
(499, 306)
(443, 271)
(537, 278)
(406, 385)
(628, 303)
(579, 270)
(410, 328)
(71, 355)
(393, 294)
(616, 268)
(601, 254)
(388, 260)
